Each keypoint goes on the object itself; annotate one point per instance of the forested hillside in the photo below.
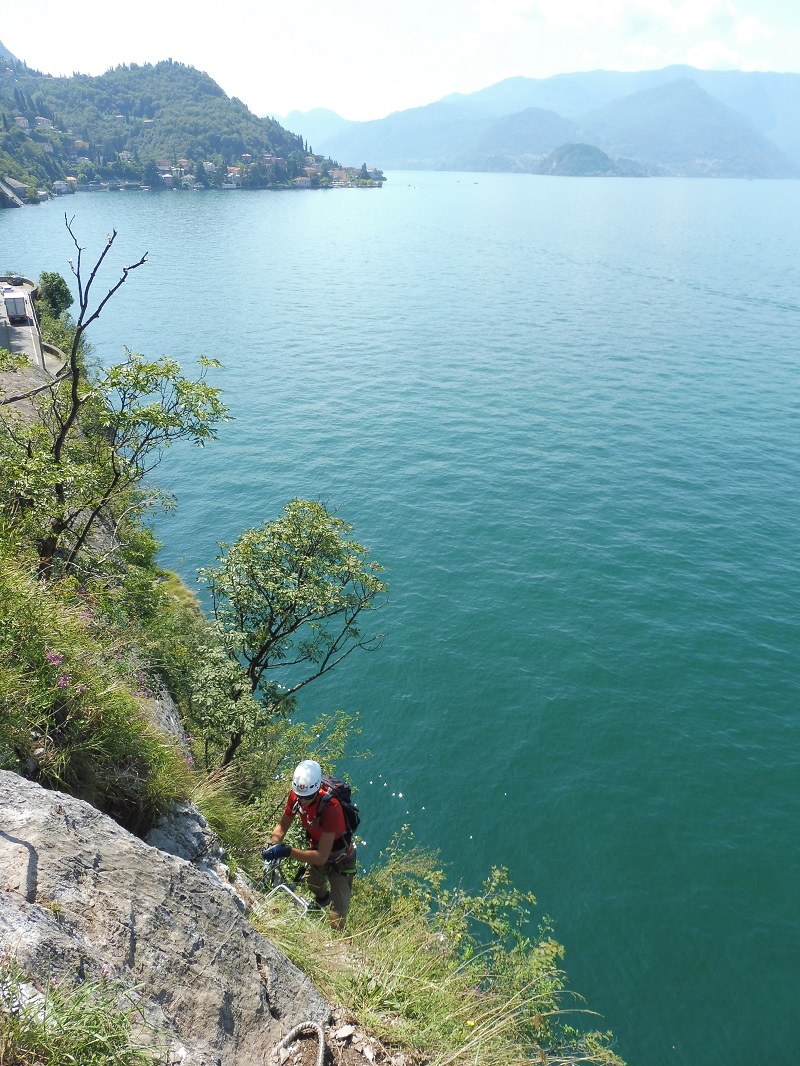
(117, 125)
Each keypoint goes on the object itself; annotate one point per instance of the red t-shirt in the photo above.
(332, 820)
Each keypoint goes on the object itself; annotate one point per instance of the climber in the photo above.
(328, 819)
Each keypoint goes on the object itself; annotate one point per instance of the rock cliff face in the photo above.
(80, 896)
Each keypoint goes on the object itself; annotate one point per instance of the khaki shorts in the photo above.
(324, 879)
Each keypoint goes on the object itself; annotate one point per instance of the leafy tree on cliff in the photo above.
(54, 295)
(290, 596)
(81, 460)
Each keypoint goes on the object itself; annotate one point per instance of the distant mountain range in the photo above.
(678, 121)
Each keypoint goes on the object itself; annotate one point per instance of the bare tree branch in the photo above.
(84, 320)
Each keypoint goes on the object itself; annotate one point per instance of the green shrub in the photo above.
(60, 331)
(454, 978)
(70, 716)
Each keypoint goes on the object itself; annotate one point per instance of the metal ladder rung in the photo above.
(303, 904)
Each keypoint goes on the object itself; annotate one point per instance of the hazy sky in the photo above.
(367, 59)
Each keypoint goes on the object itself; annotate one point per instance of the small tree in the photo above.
(141, 407)
(290, 596)
(92, 442)
(151, 175)
(54, 295)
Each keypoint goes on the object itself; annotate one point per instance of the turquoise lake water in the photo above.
(564, 415)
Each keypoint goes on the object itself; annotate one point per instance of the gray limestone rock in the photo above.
(184, 832)
(81, 896)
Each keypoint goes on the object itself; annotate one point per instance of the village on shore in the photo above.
(317, 173)
(250, 171)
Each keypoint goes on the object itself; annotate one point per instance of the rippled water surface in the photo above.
(563, 414)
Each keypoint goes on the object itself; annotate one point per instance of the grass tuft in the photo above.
(90, 1024)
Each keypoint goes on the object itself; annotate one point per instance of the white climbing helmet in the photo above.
(307, 778)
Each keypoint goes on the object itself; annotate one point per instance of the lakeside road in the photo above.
(22, 339)
(25, 338)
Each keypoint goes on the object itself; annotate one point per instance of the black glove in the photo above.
(276, 853)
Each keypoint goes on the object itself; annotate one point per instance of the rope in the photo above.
(298, 1029)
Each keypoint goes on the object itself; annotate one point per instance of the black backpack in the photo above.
(340, 790)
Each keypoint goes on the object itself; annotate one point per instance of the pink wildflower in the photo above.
(63, 679)
(55, 658)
